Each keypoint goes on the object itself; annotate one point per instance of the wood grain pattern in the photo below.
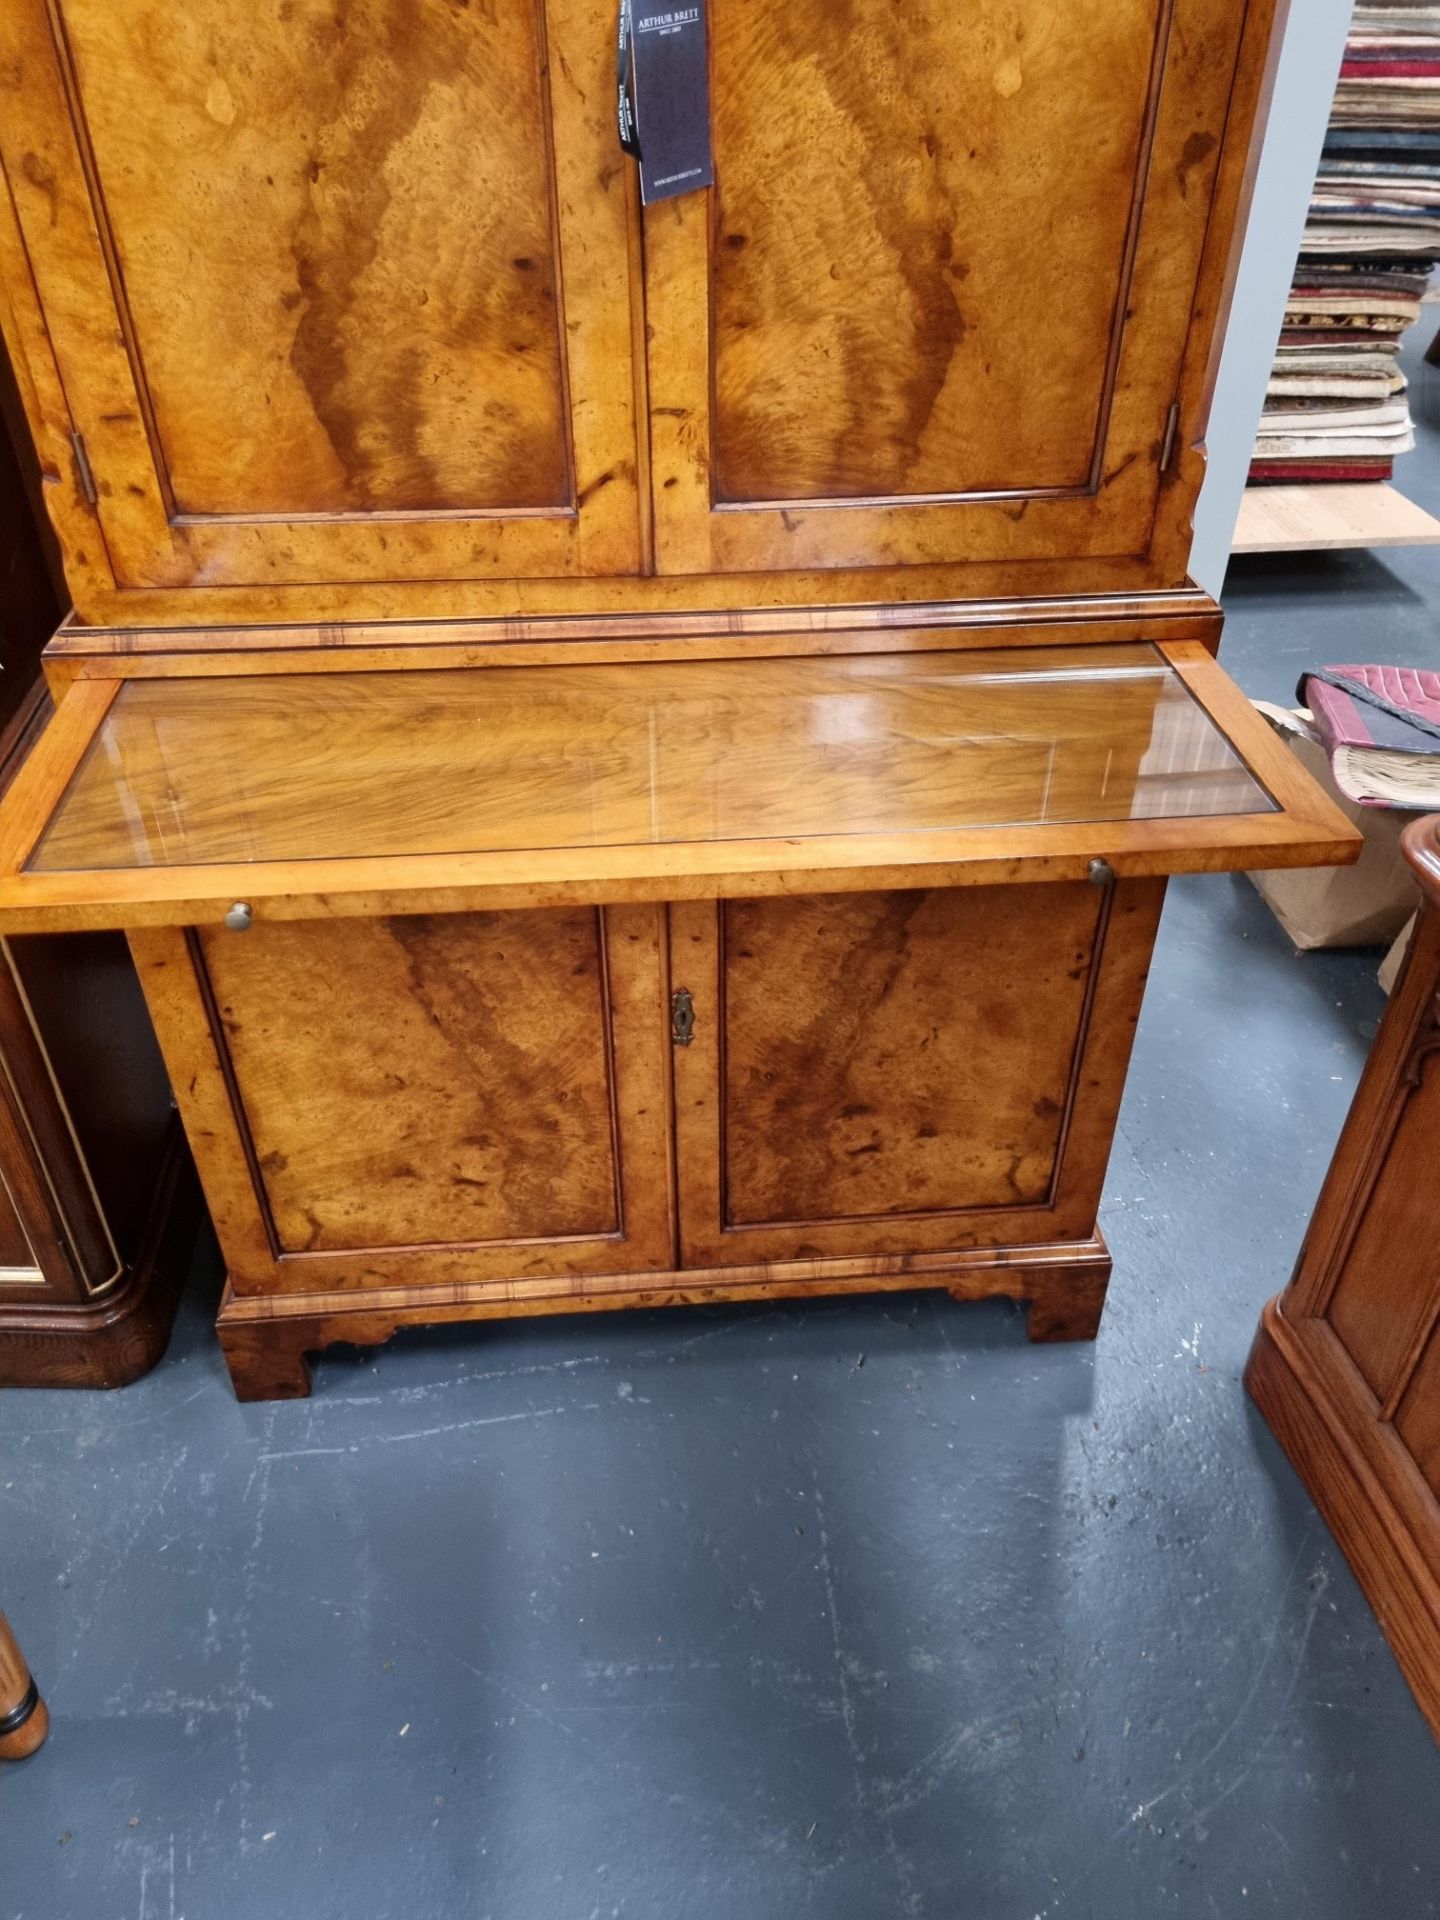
(1330, 517)
(1346, 1365)
(1417, 1419)
(45, 1173)
(903, 1072)
(340, 765)
(883, 190)
(35, 783)
(898, 1054)
(1388, 1286)
(266, 1340)
(875, 587)
(423, 1081)
(1365, 1485)
(228, 218)
(1227, 231)
(862, 334)
(80, 652)
(332, 318)
(787, 763)
(837, 372)
(421, 1100)
(24, 332)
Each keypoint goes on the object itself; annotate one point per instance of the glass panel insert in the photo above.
(470, 760)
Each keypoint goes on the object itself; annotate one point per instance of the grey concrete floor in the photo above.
(858, 1610)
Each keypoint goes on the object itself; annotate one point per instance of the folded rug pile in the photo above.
(1335, 408)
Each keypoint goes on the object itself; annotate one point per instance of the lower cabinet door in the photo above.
(424, 1098)
(880, 1073)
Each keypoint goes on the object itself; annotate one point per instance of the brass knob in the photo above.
(240, 917)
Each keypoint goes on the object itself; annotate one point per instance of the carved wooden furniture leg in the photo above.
(1346, 1363)
(24, 1717)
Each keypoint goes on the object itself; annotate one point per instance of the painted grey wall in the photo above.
(1300, 111)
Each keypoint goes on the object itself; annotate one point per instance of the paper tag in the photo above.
(625, 84)
(664, 96)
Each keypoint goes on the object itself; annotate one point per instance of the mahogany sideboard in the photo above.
(637, 749)
(1346, 1362)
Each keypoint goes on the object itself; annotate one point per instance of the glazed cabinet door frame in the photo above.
(1101, 1004)
(201, 1040)
(73, 202)
(1301, 827)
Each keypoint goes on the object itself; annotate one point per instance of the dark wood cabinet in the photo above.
(638, 751)
(95, 1189)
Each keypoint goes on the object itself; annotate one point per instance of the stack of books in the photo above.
(1336, 406)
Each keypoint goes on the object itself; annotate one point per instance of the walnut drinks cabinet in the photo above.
(637, 750)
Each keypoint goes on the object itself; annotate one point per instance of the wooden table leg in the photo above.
(24, 1718)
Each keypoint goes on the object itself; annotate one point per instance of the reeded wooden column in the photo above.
(24, 1717)
(1346, 1364)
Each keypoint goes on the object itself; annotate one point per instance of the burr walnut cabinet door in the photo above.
(936, 306)
(338, 294)
(425, 1098)
(902, 1072)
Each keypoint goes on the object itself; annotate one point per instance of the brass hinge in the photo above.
(682, 1017)
(1172, 434)
(84, 469)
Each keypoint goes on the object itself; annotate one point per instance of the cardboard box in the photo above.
(1395, 959)
(1361, 906)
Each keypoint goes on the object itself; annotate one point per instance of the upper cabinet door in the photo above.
(936, 305)
(338, 289)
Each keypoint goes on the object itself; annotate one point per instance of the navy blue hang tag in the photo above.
(625, 82)
(664, 54)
